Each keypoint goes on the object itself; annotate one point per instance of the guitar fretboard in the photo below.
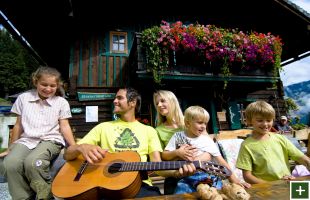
(153, 166)
(209, 167)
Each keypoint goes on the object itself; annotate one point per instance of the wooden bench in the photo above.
(157, 181)
(302, 134)
(232, 134)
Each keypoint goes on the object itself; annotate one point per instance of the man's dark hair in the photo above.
(133, 95)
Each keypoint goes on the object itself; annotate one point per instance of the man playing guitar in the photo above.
(125, 133)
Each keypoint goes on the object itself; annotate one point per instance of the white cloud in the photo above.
(296, 72)
(304, 4)
(304, 105)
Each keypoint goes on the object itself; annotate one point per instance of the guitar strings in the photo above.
(210, 167)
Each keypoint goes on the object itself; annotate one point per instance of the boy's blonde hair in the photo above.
(261, 108)
(196, 112)
(175, 112)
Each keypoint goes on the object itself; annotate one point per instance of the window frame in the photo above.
(118, 34)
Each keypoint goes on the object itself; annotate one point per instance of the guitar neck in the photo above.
(208, 167)
(154, 166)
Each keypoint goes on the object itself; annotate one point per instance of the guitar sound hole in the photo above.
(113, 168)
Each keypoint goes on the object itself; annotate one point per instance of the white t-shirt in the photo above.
(203, 143)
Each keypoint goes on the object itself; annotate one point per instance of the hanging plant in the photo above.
(233, 49)
(156, 55)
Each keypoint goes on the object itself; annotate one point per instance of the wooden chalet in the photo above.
(98, 53)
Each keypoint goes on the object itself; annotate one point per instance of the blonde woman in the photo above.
(169, 120)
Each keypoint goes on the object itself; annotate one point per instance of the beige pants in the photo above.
(27, 170)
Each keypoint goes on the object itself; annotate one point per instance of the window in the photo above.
(118, 41)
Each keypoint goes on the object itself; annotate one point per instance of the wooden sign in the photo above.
(89, 96)
(221, 116)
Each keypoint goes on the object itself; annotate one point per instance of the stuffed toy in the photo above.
(234, 191)
(229, 191)
(206, 192)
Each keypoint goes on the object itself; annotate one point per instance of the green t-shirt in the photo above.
(119, 136)
(165, 134)
(267, 159)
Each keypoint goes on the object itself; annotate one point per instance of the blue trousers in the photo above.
(189, 184)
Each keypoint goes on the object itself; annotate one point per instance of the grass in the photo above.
(2, 150)
(4, 102)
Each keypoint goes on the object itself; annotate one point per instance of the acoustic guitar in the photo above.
(116, 176)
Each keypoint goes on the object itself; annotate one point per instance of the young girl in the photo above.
(38, 136)
(195, 135)
(264, 156)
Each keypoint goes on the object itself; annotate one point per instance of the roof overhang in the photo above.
(50, 25)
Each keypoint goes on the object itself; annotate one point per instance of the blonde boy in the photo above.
(264, 156)
(195, 134)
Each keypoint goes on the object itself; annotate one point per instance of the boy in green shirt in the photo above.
(264, 156)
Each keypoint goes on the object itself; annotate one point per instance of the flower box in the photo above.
(188, 62)
(254, 72)
(195, 46)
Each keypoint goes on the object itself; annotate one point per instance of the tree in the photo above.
(16, 65)
(290, 105)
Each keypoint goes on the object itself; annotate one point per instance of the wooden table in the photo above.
(264, 191)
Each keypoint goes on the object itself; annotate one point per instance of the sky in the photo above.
(290, 75)
(297, 72)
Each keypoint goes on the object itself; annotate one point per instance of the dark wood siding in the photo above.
(78, 121)
(95, 66)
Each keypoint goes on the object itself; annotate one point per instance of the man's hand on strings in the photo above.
(92, 153)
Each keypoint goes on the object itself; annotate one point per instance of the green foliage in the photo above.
(298, 126)
(4, 102)
(157, 57)
(1, 149)
(16, 65)
(290, 105)
(231, 49)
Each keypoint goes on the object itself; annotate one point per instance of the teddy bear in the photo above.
(234, 191)
(229, 191)
(206, 192)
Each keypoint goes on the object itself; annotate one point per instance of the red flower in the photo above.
(144, 121)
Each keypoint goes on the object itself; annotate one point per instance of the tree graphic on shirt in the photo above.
(127, 139)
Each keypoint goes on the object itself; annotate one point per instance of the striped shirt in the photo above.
(40, 118)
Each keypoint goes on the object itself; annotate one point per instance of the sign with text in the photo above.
(90, 96)
(299, 190)
(91, 114)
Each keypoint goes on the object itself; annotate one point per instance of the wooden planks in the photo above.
(232, 134)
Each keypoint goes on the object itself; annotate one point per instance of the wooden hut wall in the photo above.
(94, 65)
(105, 113)
(235, 111)
(94, 68)
(78, 121)
(273, 97)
